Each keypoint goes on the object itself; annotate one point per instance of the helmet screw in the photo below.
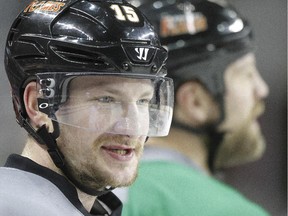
(154, 68)
(125, 66)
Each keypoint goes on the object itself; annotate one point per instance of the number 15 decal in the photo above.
(127, 13)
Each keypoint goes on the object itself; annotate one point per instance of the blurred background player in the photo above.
(219, 95)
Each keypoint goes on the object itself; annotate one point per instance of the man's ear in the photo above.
(195, 105)
(37, 118)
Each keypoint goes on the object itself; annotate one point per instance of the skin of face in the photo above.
(245, 92)
(106, 154)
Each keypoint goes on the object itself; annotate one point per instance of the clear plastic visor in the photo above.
(108, 104)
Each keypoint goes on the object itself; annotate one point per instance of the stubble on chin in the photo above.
(94, 174)
(243, 145)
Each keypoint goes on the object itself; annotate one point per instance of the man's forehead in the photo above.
(100, 82)
(249, 58)
(242, 63)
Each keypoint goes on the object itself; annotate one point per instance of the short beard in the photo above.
(242, 145)
(90, 175)
(98, 182)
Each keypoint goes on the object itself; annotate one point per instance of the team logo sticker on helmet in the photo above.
(54, 6)
(187, 23)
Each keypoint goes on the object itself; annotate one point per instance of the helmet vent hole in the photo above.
(13, 31)
(10, 38)
(16, 24)
(79, 56)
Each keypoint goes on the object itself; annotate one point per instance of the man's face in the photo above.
(245, 91)
(108, 153)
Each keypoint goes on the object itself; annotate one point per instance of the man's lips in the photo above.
(119, 152)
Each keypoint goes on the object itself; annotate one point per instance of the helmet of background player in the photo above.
(203, 37)
(53, 42)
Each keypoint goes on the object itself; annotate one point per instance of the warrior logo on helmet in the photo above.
(142, 53)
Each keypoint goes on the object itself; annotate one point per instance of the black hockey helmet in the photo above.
(202, 36)
(53, 42)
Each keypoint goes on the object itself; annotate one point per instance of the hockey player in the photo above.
(88, 84)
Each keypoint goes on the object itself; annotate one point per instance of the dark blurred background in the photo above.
(264, 181)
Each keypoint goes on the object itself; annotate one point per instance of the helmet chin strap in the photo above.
(210, 131)
(43, 137)
(50, 141)
(214, 139)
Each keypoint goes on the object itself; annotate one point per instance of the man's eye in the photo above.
(105, 99)
(143, 101)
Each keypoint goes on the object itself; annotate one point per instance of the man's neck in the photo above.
(86, 199)
(191, 145)
(39, 155)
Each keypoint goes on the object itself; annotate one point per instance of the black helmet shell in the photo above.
(203, 37)
(80, 36)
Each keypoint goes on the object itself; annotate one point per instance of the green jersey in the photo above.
(166, 187)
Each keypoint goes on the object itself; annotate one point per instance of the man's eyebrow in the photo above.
(147, 94)
(147, 91)
(115, 90)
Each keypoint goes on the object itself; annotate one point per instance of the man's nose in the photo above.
(128, 122)
(261, 87)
